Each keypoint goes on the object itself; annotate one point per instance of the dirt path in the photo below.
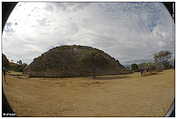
(125, 95)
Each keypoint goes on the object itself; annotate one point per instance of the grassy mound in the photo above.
(70, 61)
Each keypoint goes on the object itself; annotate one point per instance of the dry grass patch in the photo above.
(126, 95)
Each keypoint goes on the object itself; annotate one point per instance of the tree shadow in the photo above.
(111, 77)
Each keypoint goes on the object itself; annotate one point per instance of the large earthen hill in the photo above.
(73, 61)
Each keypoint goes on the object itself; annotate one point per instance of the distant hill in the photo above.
(74, 60)
(5, 61)
(16, 67)
(11, 65)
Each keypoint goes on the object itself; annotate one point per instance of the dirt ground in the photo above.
(118, 95)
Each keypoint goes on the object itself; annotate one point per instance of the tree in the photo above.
(19, 62)
(134, 67)
(163, 57)
(151, 67)
(159, 67)
(21, 68)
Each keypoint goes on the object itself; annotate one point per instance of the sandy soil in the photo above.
(118, 95)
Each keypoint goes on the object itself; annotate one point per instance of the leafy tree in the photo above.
(149, 66)
(19, 62)
(21, 68)
(159, 67)
(134, 67)
(172, 63)
(163, 57)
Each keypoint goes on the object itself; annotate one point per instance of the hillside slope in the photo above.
(70, 61)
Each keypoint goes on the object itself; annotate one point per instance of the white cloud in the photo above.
(126, 31)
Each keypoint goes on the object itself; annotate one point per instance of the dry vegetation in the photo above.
(82, 60)
(118, 95)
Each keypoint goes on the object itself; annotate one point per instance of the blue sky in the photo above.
(126, 31)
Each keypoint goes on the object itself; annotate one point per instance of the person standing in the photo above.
(141, 71)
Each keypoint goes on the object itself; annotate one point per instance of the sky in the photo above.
(126, 31)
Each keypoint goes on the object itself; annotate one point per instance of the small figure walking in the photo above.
(141, 72)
